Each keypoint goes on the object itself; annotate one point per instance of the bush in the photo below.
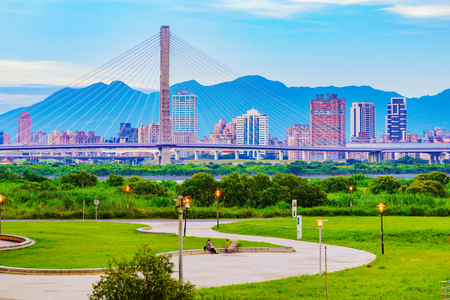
(436, 176)
(146, 276)
(430, 187)
(80, 179)
(384, 183)
(114, 180)
(338, 184)
(147, 187)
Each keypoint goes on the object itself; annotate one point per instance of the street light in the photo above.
(1, 203)
(127, 189)
(351, 205)
(320, 223)
(381, 207)
(217, 197)
(186, 201)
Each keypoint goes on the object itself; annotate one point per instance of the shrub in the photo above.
(338, 184)
(436, 176)
(430, 187)
(384, 183)
(147, 187)
(80, 179)
(114, 180)
(145, 276)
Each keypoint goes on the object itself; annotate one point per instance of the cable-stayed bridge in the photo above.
(155, 69)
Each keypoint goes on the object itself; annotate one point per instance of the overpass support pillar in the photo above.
(216, 155)
(236, 154)
(196, 155)
(325, 155)
(258, 155)
(304, 155)
(431, 158)
(164, 158)
(177, 155)
(346, 155)
(280, 155)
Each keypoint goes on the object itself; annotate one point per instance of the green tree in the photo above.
(307, 194)
(146, 276)
(147, 187)
(384, 184)
(430, 187)
(274, 194)
(338, 184)
(200, 187)
(80, 179)
(436, 176)
(114, 180)
(234, 192)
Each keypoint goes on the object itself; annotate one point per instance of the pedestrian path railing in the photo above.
(445, 290)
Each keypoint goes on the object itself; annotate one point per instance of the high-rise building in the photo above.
(154, 132)
(298, 135)
(67, 137)
(184, 112)
(224, 133)
(24, 134)
(252, 128)
(6, 139)
(39, 137)
(328, 124)
(362, 119)
(396, 119)
(144, 134)
(2, 137)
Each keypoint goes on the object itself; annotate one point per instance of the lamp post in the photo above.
(320, 223)
(217, 197)
(186, 201)
(127, 189)
(1, 203)
(351, 205)
(381, 207)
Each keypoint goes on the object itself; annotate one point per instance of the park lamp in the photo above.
(217, 193)
(320, 223)
(127, 189)
(350, 188)
(381, 207)
(186, 201)
(1, 199)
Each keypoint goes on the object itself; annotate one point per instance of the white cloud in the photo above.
(421, 11)
(16, 72)
(288, 8)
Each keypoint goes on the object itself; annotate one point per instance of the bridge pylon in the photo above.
(164, 100)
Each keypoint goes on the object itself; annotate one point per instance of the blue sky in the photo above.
(394, 45)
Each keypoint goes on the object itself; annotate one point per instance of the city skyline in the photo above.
(364, 40)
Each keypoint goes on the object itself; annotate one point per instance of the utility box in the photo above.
(299, 227)
(294, 208)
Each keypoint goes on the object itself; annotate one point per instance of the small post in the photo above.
(294, 208)
(180, 237)
(326, 274)
(96, 202)
(1, 203)
(320, 223)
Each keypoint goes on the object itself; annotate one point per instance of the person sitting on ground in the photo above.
(210, 247)
(227, 245)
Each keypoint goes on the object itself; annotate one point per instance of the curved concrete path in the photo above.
(201, 270)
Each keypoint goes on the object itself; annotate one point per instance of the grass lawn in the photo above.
(416, 259)
(88, 244)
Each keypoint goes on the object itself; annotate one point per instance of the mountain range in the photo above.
(101, 107)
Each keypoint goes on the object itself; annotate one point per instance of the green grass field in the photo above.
(88, 244)
(416, 259)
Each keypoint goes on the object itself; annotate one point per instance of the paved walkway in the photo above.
(201, 270)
